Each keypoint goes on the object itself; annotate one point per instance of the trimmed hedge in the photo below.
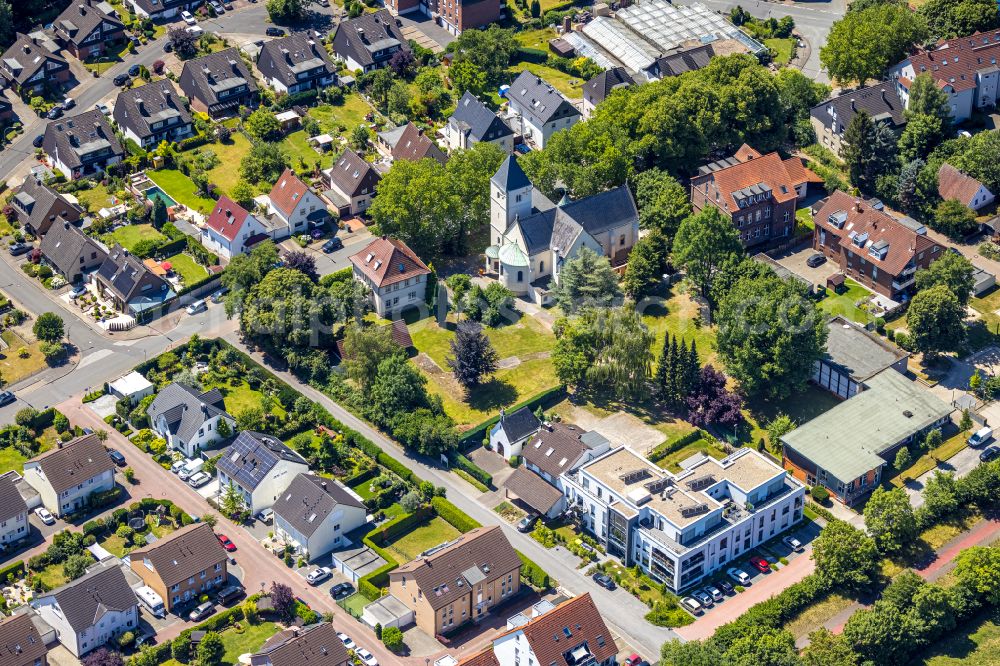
(371, 585)
(361, 477)
(527, 54)
(452, 515)
(534, 574)
(17, 568)
(158, 654)
(665, 449)
(198, 284)
(472, 469)
(474, 437)
(400, 525)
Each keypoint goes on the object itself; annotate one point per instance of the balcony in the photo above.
(900, 286)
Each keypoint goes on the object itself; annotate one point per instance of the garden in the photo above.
(31, 434)
(130, 235)
(849, 303)
(665, 611)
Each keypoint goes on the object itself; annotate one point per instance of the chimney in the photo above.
(65, 224)
(204, 408)
(26, 48)
(83, 9)
(139, 102)
(287, 55)
(323, 485)
(885, 100)
(857, 205)
(853, 105)
(567, 24)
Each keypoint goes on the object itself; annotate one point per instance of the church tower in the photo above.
(510, 197)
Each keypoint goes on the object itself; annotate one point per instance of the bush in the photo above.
(392, 637)
(472, 469)
(452, 515)
(533, 574)
(819, 493)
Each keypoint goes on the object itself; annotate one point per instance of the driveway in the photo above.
(796, 262)
(331, 263)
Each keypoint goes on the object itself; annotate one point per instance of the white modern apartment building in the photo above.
(682, 527)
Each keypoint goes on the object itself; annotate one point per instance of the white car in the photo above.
(178, 466)
(691, 605)
(186, 15)
(44, 515)
(199, 479)
(318, 575)
(346, 640)
(366, 657)
(197, 306)
(793, 543)
(738, 575)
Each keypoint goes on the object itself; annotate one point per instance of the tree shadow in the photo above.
(491, 395)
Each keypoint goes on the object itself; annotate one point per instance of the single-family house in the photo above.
(368, 41)
(410, 143)
(20, 642)
(295, 63)
(28, 65)
(188, 419)
(260, 468)
(66, 476)
(71, 252)
(293, 205)
(38, 206)
(314, 514)
(511, 431)
(82, 145)
(351, 181)
(460, 581)
(473, 122)
(13, 512)
(88, 612)
(394, 274)
(219, 83)
(229, 228)
(880, 101)
(181, 566)
(153, 113)
(315, 645)
(598, 88)
(86, 30)
(159, 10)
(130, 285)
(538, 110)
(955, 184)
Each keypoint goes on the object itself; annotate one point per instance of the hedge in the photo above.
(361, 477)
(527, 54)
(17, 569)
(393, 465)
(665, 449)
(534, 574)
(400, 525)
(371, 585)
(198, 284)
(474, 437)
(43, 419)
(159, 654)
(452, 515)
(171, 247)
(472, 469)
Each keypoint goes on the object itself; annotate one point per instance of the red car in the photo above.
(226, 543)
(760, 564)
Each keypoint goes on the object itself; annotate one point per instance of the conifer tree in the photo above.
(662, 365)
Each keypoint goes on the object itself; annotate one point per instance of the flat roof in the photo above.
(846, 441)
(858, 352)
(131, 384)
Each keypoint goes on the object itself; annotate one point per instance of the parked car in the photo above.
(37, 141)
(228, 5)
(703, 597)
(816, 260)
(44, 515)
(760, 564)
(145, 638)
(604, 581)
(715, 592)
(199, 479)
(632, 660)
(134, 70)
(78, 290)
(17, 249)
(691, 605)
(117, 457)
(217, 6)
(196, 307)
(522, 148)
(103, 108)
(178, 466)
(271, 31)
(201, 611)
(323, 3)
(346, 640)
(266, 516)
(54, 112)
(6, 398)
(220, 295)
(121, 79)
(366, 656)
(333, 245)
(726, 586)
(341, 590)
(186, 16)
(980, 437)
(989, 453)
(318, 575)
(68, 103)
(738, 575)
(793, 543)
(228, 594)
(526, 523)
(226, 542)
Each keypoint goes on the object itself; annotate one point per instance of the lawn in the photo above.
(95, 198)
(784, 49)
(129, 235)
(297, 147)
(242, 397)
(816, 613)
(342, 118)
(227, 173)
(845, 304)
(930, 460)
(115, 545)
(571, 86)
(433, 533)
(801, 407)
(527, 336)
(185, 266)
(536, 39)
(672, 461)
(804, 219)
(11, 459)
(975, 643)
(52, 576)
(13, 368)
(182, 190)
(236, 642)
(680, 316)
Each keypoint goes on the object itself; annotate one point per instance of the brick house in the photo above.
(219, 83)
(757, 192)
(85, 30)
(20, 642)
(29, 65)
(183, 565)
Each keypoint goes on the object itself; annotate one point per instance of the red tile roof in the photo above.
(782, 176)
(904, 243)
(227, 218)
(414, 145)
(953, 184)
(955, 62)
(484, 658)
(288, 192)
(387, 261)
(565, 627)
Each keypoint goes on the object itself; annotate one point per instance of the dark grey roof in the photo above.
(678, 62)
(519, 424)
(533, 490)
(183, 554)
(38, 205)
(880, 101)
(11, 502)
(317, 645)
(87, 599)
(360, 38)
(285, 58)
(252, 455)
(138, 108)
(555, 449)
(64, 245)
(20, 642)
(125, 275)
(474, 117)
(154, 7)
(185, 409)
(74, 462)
(599, 87)
(205, 77)
(537, 230)
(536, 98)
(510, 176)
(601, 211)
(857, 352)
(309, 500)
(81, 19)
(25, 57)
(351, 174)
(85, 137)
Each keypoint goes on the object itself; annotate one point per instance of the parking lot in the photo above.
(327, 263)
(796, 262)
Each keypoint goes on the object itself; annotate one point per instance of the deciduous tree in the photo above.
(889, 519)
(845, 555)
(49, 327)
(935, 320)
(953, 271)
(863, 44)
(703, 242)
(663, 203)
(365, 347)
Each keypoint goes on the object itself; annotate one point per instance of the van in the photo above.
(981, 436)
(227, 594)
(192, 466)
(178, 466)
(197, 306)
(151, 600)
(220, 295)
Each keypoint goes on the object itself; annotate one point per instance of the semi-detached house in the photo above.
(315, 513)
(38, 206)
(260, 468)
(219, 83)
(369, 41)
(86, 30)
(538, 109)
(188, 419)
(352, 181)
(231, 229)
(293, 206)
(82, 145)
(28, 65)
(69, 474)
(183, 565)
(295, 63)
(13, 511)
(153, 113)
(20, 642)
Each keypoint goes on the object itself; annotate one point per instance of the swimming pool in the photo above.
(155, 192)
